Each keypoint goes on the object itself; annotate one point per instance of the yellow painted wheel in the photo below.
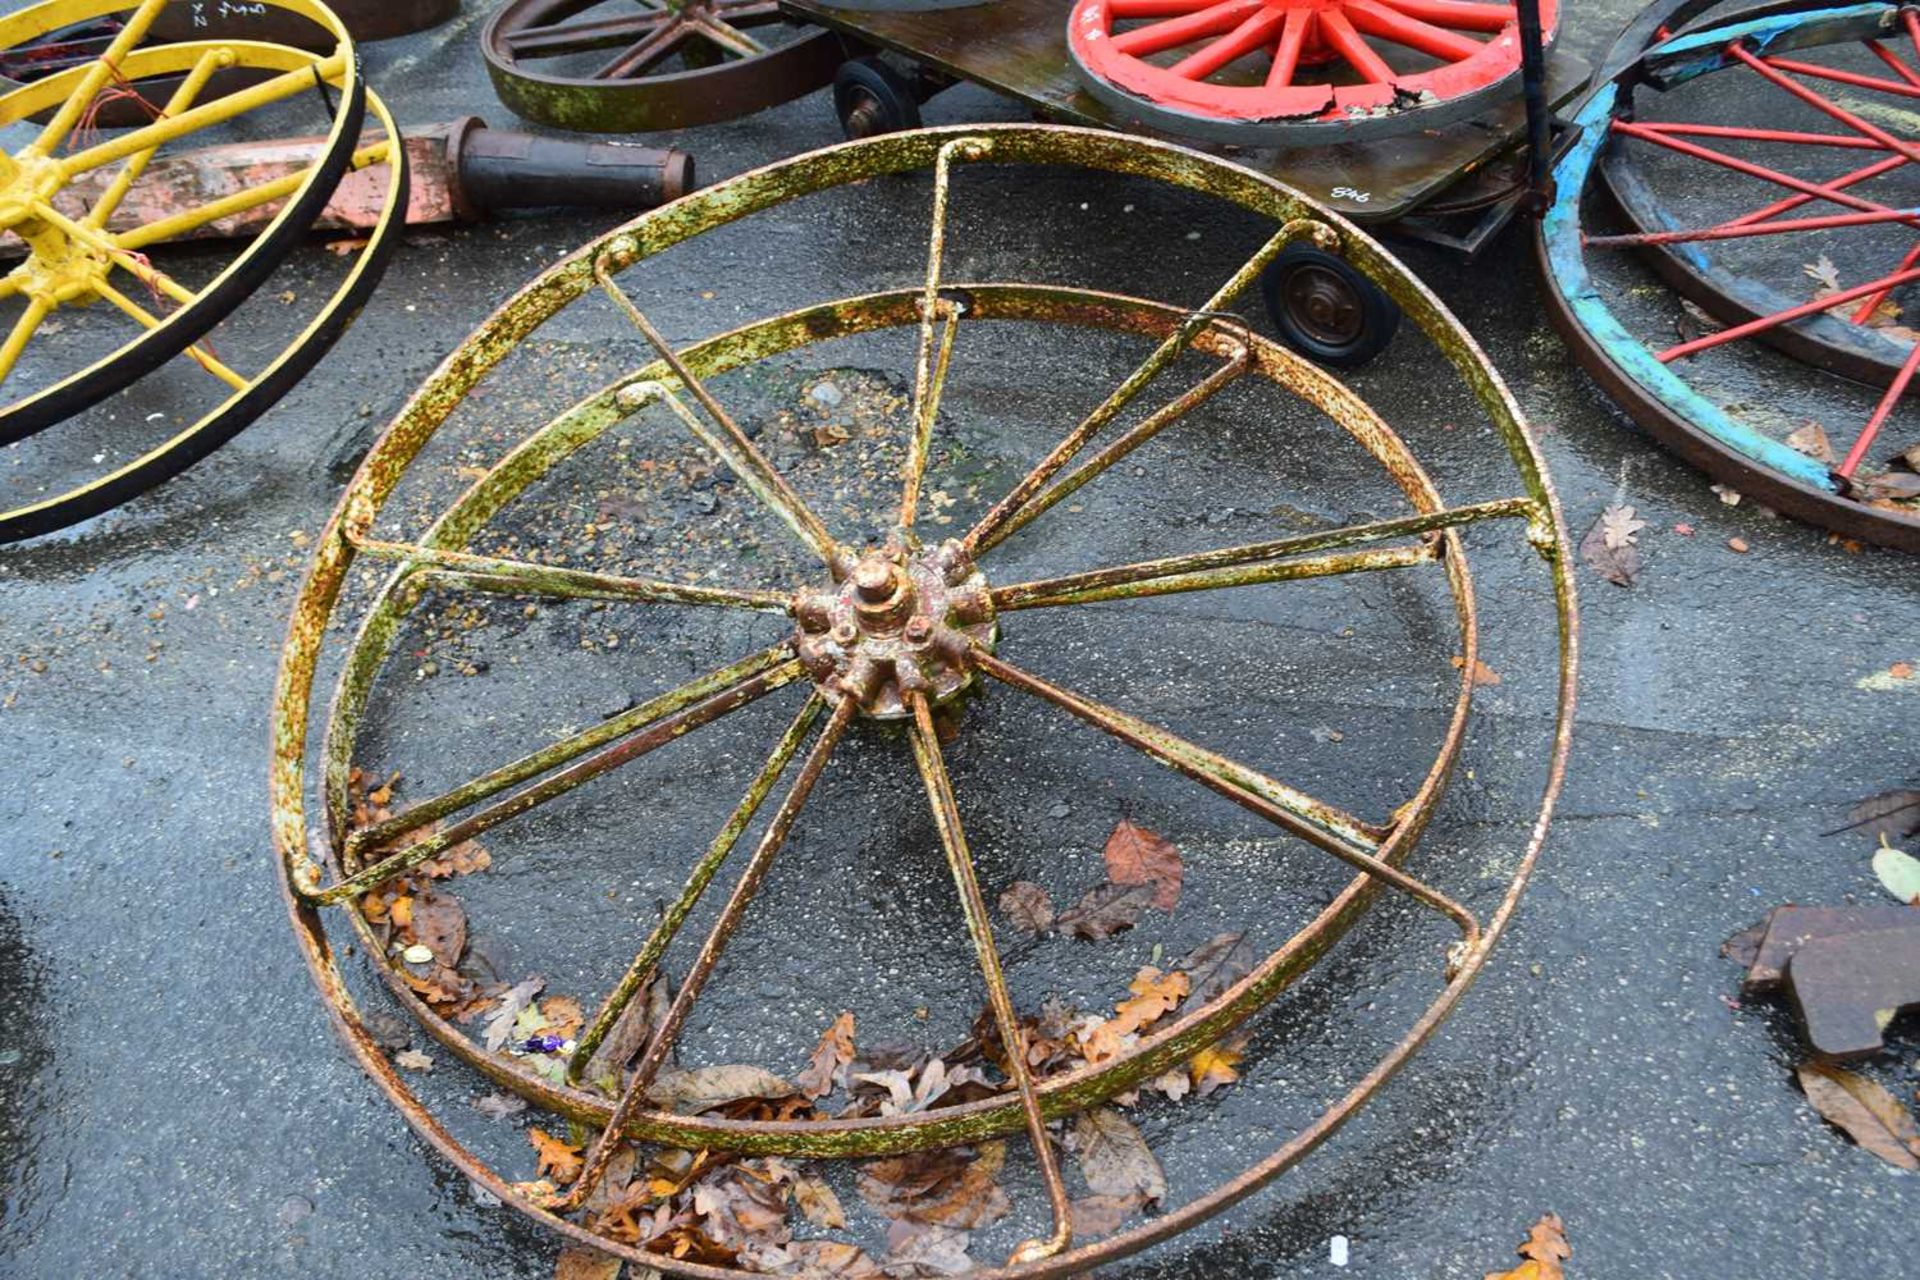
(64, 197)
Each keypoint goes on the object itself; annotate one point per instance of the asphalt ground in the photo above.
(172, 1102)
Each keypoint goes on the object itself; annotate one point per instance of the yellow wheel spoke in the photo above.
(182, 99)
(198, 355)
(218, 111)
(239, 202)
(96, 78)
(22, 330)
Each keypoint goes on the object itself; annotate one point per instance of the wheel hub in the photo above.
(1324, 305)
(900, 622)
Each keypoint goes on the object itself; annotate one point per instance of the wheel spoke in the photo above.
(953, 839)
(1347, 42)
(198, 354)
(1320, 824)
(1828, 107)
(1149, 427)
(1751, 229)
(1075, 588)
(1830, 192)
(929, 368)
(1817, 305)
(239, 202)
(1762, 135)
(182, 99)
(523, 577)
(1852, 79)
(735, 449)
(659, 730)
(777, 661)
(640, 972)
(105, 67)
(644, 53)
(581, 37)
(1147, 579)
(991, 530)
(221, 109)
(665, 1036)
(1286, 57)
(1822, 191)
(1243, 39)
(1897, 389)
(1405, 29)
(1174, 32)
(23, 329)
(1460, 15)
(730, 38)
(1895, 62)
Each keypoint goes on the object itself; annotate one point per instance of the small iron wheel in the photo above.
(870, 97)
(1326, 310)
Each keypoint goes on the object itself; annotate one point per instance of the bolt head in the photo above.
(846, 634)
(874, 581)
(918, 630)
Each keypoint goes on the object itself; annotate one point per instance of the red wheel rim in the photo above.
(1300, 61)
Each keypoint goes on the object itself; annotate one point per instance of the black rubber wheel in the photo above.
(1326, 310)
(870, 98)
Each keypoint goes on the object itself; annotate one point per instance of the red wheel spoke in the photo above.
(1339, 33)
(1378, 20)
(1157, 8)
(1895, 61)
(581, 37)
(1175, 32)
(1821, 192)
(1872, 302)
(1751, 170)
(1821, 104)
(1814, 307)
(1243, 39)
(1852, 78)
(1746, 230)
(1764, 135)
(1458, 14)
(1286, 58)
(1880, 413)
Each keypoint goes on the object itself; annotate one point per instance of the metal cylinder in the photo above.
(502, 169)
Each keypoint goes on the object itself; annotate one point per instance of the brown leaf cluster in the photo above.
(1544, 1249)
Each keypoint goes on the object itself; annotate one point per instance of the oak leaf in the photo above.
(1544, 1249)
(1136, 855)
(1106, 910)
(558, 1159)
(1610, 547)
(1027, 907)
(1482, 673)
(1215, 1066)
(507, 1012)
(1866, 1112)
(689, 1093)
(585, 1264)
(563, 1016)
(955, 1187)
(817, 1202)
(1217, 964)
(827, 1069)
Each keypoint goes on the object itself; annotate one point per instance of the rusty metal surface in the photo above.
(1018, 48)
(1790, 928)
(1848, 987)
(749, 58)
(873, 595)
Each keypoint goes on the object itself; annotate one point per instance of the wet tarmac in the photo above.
(172, 1102)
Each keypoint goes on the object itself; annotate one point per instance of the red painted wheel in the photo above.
(1292, 71)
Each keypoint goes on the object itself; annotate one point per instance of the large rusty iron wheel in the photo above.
(61, 198)
(672, 64)
(896, 631)
(1797, 193)
(1299, 72)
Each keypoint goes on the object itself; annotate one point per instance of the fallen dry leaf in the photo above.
(1217, 964)
(500, 1021)
(1811, 440)
(817, 1203)
(1154, 995)
(558, 1159)
(1865, 1111)
(827, 1068)
(915, 1250)
(1739, 545)
(439, 922)
(1894, 814)
(1114, 1158)
(412, 1060)
(689, 1093)
(1106, 910)
(956, 1187)
(1214, 1066)
(499, 1106)
(563, 1016)
(1027, 907)
(1136, 855)
(1482, 673)
(824, 1258)
(586, 1264)
(1097, 1216)
(1544, 1249)
(1610, 546)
